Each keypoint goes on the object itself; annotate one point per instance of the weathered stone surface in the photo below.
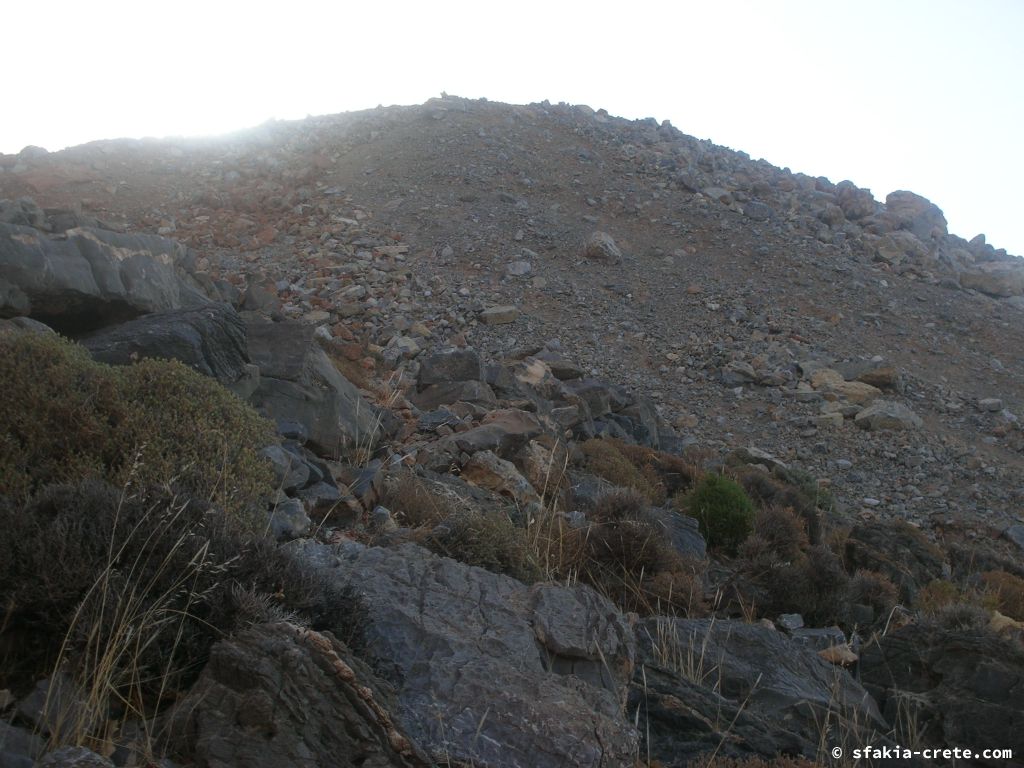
(22, 212)
(499, 315)
(600, 246)
(288, 520)
(917, 214)
(449, 365)
(995, 279)
(93, 278)
(488, 670)
(279, 695)
(19, 747)
(703, 684)
(209, 339)
(299, 383)
(956, 687)
(74, 757)
(446, 393)
(887, 414)
(681, 531)
(485, 470)
(856, 203)
(504, 431)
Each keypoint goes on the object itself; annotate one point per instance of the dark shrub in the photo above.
(722, 509)
(489, 541)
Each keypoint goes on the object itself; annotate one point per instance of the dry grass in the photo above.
(606, 460)
(1006, 591)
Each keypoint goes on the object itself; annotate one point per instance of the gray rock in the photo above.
(290, 472)
(74, 757)
(19, 748)
(449, 365)
(962, 686)
(758, 211)
(23, 212)
(299, 383)
(887, 414)
(209, 339)
(681, 531)
(1015, 533)
(93, 278)
(436, 395)
(995, 279)
(499, 315)
(746, 688)
(279, 695)
(288, 520)
(896, 550)
(487, 670)
(600, 246)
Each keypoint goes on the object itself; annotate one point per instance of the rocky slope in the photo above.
(469, 293)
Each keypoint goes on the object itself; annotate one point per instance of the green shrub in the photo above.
(488, 541)
(65, 418)
(722, 509)
(605, 460)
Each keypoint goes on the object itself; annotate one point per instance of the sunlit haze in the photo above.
(921, 95)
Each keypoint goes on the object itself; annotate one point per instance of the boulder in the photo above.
(894, 247)
(887, 414)
(954, 687)
(209, 339)
(917, 214)
(487, 670)
(23, 212)
(277, 695)
(449, 365)
(995, 279)
(485, 470)
(856, 203)
(746, 689)
(682, 532)
(92, 278)
(19, 747)
(449, 392)
(503, 431)
(73, 757)
(298, 383)
(600, 246)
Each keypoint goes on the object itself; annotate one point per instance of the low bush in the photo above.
(412, 502)
(874, 590)
(487, 540)
(65, 418)
(134, 589)
(605, 460)
(1007, 593)
(722, 509)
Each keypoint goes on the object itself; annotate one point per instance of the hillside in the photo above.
(501, 292)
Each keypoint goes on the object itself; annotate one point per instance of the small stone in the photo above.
(790, 621)
(990, 404)
(600, 246)
(499, 315)
(518, 268)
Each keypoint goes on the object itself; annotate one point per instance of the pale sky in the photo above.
(926, 95)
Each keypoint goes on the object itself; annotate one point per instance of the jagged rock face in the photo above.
(209, 339)
(702, 684)
(487, 670)
(953, 687)
(93, 278)
(298, 383)
(278, 695)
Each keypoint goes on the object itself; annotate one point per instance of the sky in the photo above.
(902, 94)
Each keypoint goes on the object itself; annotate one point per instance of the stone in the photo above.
(894, 247)
(23, 212)
(723, 196)
(518, 268)
(739, 689)
(596, 395)
(73, 757)
(288, 520)
(916, 214)
(990, 404)
(93, 278)
(790, 621)
(965, 685)
(486, 470)
(1015, 534)
(290, 472)
(995, 279)
(682, 532)
(436, 395)
(887, 414)
(488, 671)
(278, 694)
(856, 203)
(299, 383)
(449, 365)
(19, 747)
(600, 246)
(210, 340)
(499, 315)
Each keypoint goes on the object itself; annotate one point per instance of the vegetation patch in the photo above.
(605, 459)
(65, 418)
(722, 509)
